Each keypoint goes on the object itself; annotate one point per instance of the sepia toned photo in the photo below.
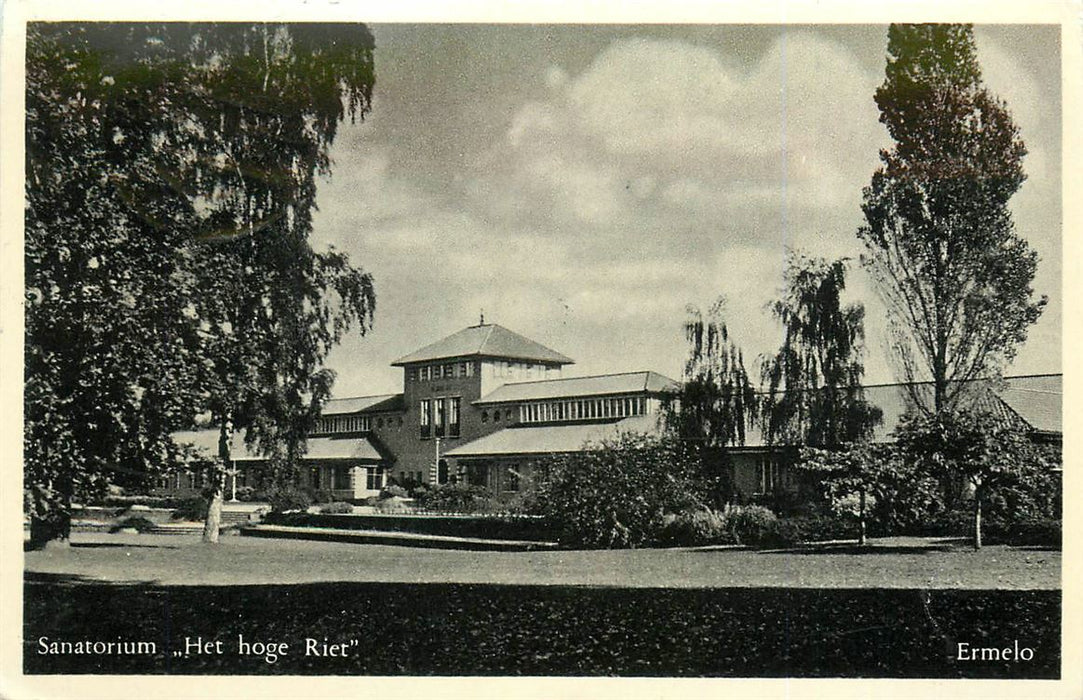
(581, 350)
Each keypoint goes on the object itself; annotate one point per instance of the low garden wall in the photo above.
(501, 527)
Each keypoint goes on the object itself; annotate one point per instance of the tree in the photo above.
(170, 183)
(613, 494)
(814, 394)
(987, 452)
(938, 234)
(859, 468)
(716, 402)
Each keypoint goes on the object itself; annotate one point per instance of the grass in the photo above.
(897, 609)
(891, 563)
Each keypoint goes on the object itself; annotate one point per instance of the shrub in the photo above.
(1038, 532)
(614, 494)
(192, 509)
(138, 523)
(336, 508)
(456, 498)
(793, 531)
(393, 491)
(751, 525)
(695, 527)
(287, 498)
(246, 493)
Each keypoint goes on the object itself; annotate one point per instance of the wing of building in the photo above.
(485, 404)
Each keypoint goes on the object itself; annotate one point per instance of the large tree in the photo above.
(987, 451)
(171, 176)
(814, 393)
(938, 233)
(716, 402)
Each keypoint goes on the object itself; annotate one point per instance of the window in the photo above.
(340, 478)
(484, 416)
(374, 478)
(453, 416)
(469, 369)
(511, 479)
(440, 417)
(496, 416)
(425, 418)
(768, 475)
(411, 374)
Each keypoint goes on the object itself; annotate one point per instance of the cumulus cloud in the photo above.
(657, 174)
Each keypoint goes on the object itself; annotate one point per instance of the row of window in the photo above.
(445, 370)
(582, 409)
(521, 370)
(354, 424)
(439, 417)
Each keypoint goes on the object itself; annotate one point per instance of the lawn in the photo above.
(889, 563)
(897, 610)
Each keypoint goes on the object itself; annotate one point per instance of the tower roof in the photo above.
(486, 340)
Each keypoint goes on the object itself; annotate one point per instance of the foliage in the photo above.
(695, 527)
(288, 498)
(614, 493)
(135, 522)
(456, 498)
(986, 451)
(754, 526)
(938, 234)
(814, 395)
(789, 532)
(393, 491)
(853, 472)
(337, 508)
(716, 401)
(1035, 532)
(170, 183)
(191, 509)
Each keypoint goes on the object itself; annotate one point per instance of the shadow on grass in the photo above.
(121, 545)
(73, 580)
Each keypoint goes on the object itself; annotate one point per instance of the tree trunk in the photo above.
(861, 517)
(977, 518)
(212, 525)
(214, 513)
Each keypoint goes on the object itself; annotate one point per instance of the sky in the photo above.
(584, 184)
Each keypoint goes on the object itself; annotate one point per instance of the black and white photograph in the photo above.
(359, 346)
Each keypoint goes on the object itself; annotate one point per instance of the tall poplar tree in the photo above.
(938, 233)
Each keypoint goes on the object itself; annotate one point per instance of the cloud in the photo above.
(657, 174)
